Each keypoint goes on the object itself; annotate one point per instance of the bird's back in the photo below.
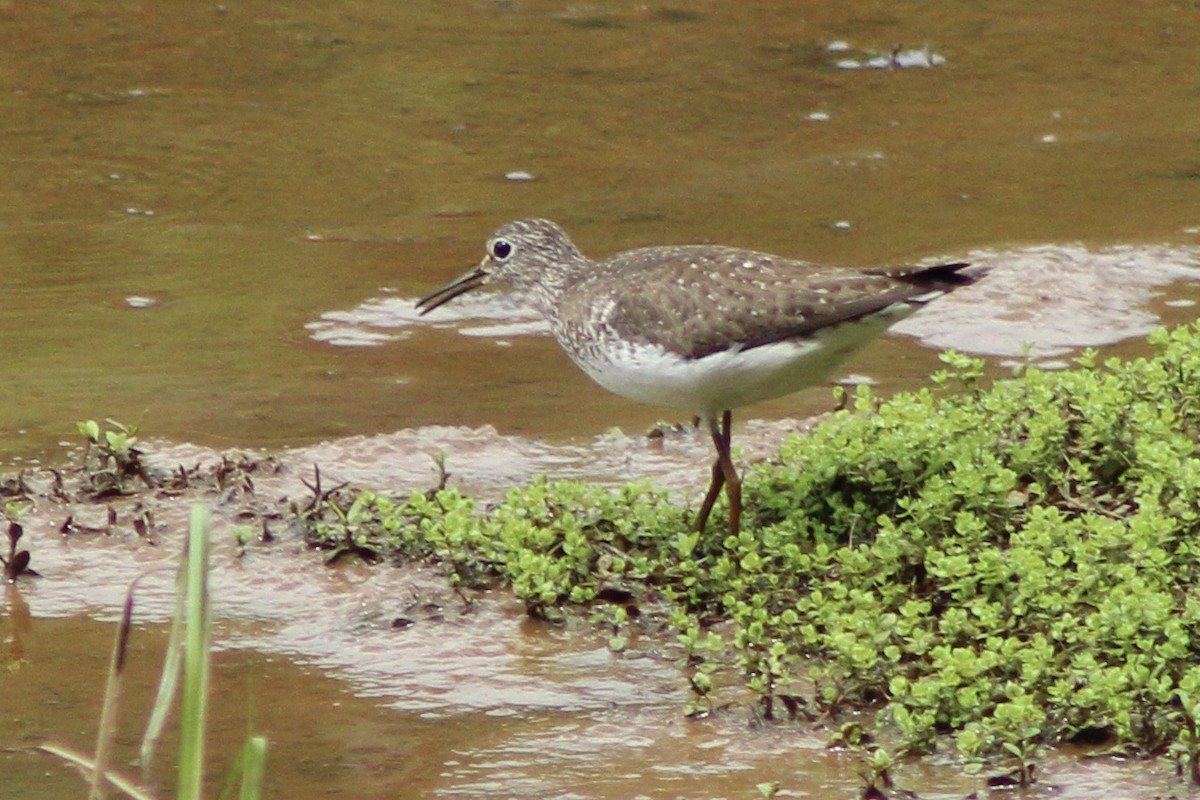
(697, 300)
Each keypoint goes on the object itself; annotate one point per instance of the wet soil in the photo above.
(382, 681)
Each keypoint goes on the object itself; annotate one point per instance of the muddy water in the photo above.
(193, 194)
(249, 167)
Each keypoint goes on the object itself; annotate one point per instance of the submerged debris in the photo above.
(897, 58)
(17, 562)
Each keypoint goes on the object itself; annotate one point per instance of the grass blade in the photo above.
(130, 790)
(196, 660)
(168, 682)
(254, 766)
(112, 695)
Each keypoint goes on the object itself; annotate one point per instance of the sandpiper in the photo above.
(700, 328)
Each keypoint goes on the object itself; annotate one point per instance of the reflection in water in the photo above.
(1037, 302)
(376, 320)
(19, 622)
(1047, 301)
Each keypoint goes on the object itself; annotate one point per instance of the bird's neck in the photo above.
(545, 290)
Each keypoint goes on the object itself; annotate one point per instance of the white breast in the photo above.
(731, 378)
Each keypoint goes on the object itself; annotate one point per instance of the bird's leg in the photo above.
(714, 491)
(733, 484)
(723, 476)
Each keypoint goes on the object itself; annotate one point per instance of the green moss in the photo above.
(1012, 566)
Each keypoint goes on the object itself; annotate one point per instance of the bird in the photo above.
(700, 328)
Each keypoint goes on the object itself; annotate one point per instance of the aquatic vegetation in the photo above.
(111, 458)
(17, 562)
(1003, 567)
(186, 669)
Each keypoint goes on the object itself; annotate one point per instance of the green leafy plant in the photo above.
(1002, 567)
(111, 457)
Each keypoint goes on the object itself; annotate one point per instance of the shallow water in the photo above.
(250, 168)
(195, 195)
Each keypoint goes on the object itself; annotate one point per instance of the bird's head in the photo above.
(533, 256)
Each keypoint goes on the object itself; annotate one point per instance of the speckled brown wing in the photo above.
(694, 301)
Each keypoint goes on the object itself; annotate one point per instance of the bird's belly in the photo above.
(730, 378)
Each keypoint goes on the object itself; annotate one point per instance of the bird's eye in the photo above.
(501, 249)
